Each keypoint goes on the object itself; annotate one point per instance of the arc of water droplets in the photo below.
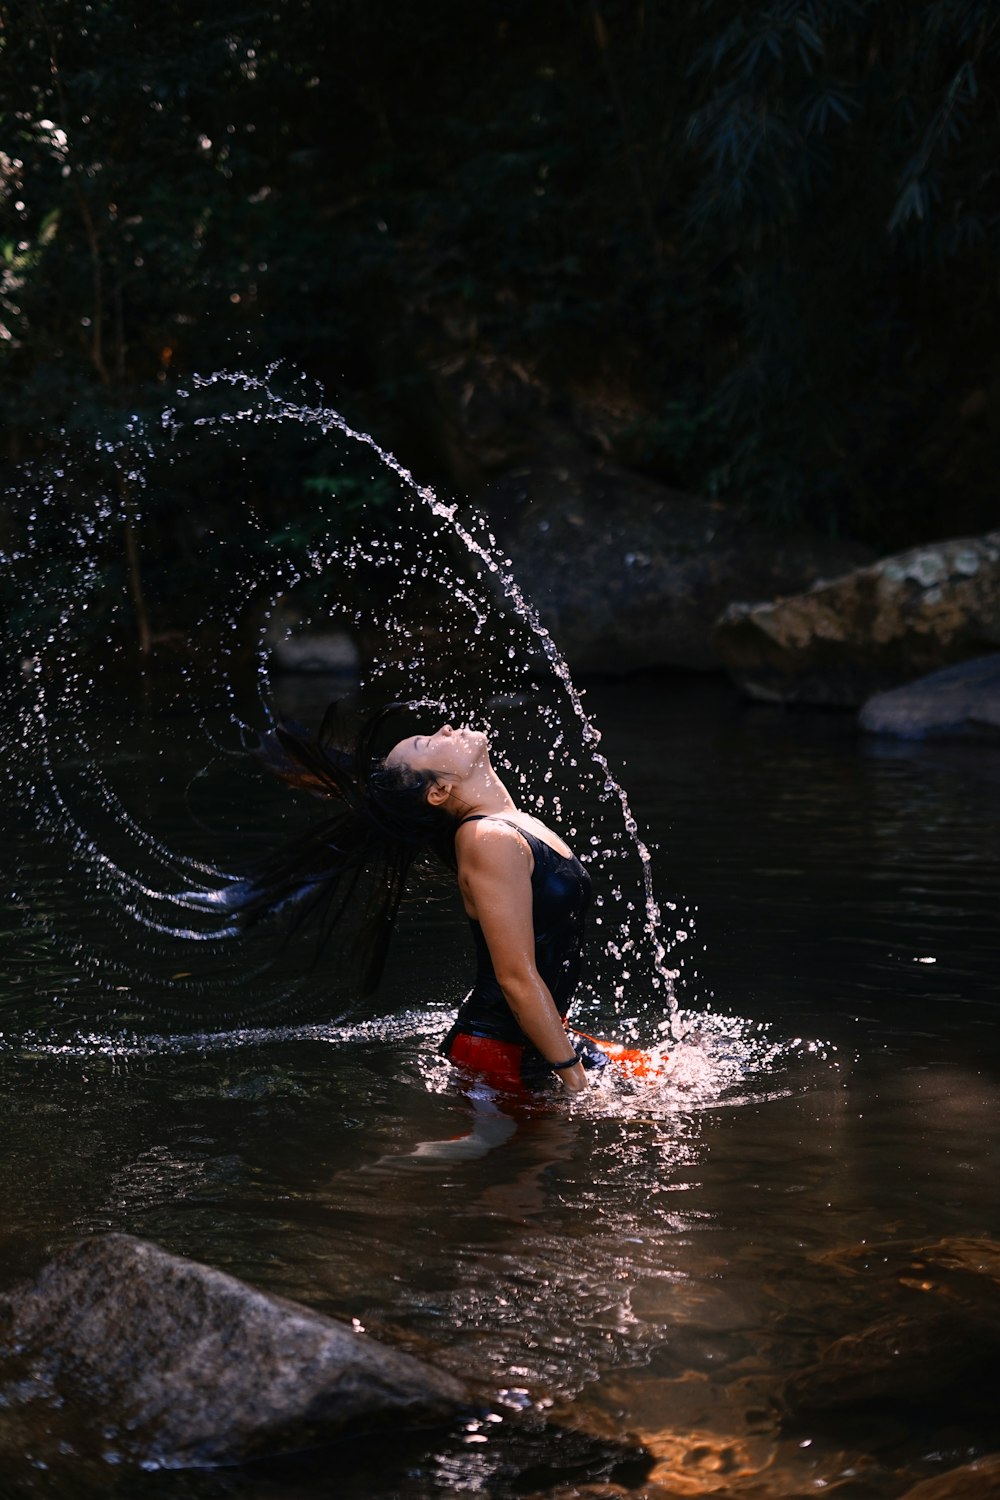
(101, 867)
(591, 736)
(99, 863)
(328, 418)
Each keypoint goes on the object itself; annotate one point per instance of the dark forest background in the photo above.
(746, 247)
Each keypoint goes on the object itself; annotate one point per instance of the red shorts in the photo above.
(501, 1064)
(497, 1063)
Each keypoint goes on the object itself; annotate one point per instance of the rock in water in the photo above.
(869, 630)
(178, 1364)
(963, 700)
(296, 646)
(628, 574)
(979, 1480)
(906, 1359)
(927, 1330)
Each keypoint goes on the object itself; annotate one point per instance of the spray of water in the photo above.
(431, 598)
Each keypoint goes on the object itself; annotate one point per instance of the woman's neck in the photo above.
(481, 795)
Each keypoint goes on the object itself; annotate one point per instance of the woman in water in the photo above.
(526, 897)
(524, 892)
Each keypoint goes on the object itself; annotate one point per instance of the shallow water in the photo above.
(637, 1271)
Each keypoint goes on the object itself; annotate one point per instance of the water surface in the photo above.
(638, 1271)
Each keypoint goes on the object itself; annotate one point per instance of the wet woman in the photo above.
(526, 897)
(524, 892)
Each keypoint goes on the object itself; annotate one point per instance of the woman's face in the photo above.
(450, 753)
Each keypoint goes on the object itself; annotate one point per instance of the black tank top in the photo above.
(560, 895)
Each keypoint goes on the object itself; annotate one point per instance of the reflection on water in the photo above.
(646, 1266)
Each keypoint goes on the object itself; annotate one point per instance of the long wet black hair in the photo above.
(360, 852)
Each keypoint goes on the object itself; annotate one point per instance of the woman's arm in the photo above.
(494, 873)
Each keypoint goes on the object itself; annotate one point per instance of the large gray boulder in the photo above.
(869, 630)
(627, 574)
(960, 701)
(167, 1361)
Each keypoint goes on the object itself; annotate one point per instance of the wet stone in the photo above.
(960, 701)
(165, 1361)
(979, 1480)
(926, 1328)
(909, 1359)
(295, 647)
(628, 574)
(869, 630)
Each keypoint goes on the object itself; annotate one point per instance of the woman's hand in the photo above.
(574, 1080)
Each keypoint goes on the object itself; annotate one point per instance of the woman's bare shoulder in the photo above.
(524, 825)
(486, 841)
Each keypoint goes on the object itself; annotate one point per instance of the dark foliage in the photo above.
(769, 228)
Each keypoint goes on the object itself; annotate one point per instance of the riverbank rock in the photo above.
(169, 1362)
(869, 630)
(627, 574)
(960, 701)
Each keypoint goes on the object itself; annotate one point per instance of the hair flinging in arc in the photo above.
(380, 823)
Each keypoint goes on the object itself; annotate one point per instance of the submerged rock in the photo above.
(869, 630)
(979, 1480)
(167, 1361)
(962, 1265)
(963, 700)
(923, 1357)
(628, 574)
(926, 1329)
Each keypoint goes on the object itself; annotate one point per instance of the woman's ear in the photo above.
(438, 793)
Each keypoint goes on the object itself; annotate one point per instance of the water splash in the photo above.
(431, 597)
(723, 1061)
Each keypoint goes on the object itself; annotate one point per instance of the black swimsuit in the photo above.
(560, 895)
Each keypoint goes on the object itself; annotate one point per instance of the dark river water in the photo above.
(636, 1276)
